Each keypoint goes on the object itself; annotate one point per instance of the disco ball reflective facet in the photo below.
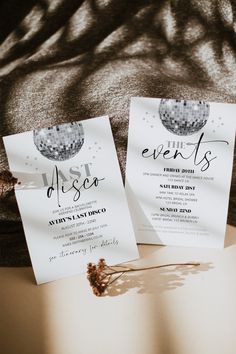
(183, 117)
(60, 142)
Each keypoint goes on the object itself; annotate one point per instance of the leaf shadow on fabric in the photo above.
(114, 50)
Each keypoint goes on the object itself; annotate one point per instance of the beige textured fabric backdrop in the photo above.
(67, 60)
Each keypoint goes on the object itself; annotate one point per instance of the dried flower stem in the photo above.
(100, 276)
(152, 267)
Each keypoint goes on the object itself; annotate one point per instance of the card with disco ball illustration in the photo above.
(179, 168)
(71, 197)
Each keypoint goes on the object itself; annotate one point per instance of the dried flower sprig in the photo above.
(100, 275)
(7, 183)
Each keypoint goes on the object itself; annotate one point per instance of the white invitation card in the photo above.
(71, 197)
(179, 167)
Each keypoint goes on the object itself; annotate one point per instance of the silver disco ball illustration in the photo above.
(60, 142)
(183, 117)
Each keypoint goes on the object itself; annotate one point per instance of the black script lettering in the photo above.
(199, 157)
(156, 152)
(87, 184)
(58, 186)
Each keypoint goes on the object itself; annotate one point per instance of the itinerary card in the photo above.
(178, 172)
(71, 197)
